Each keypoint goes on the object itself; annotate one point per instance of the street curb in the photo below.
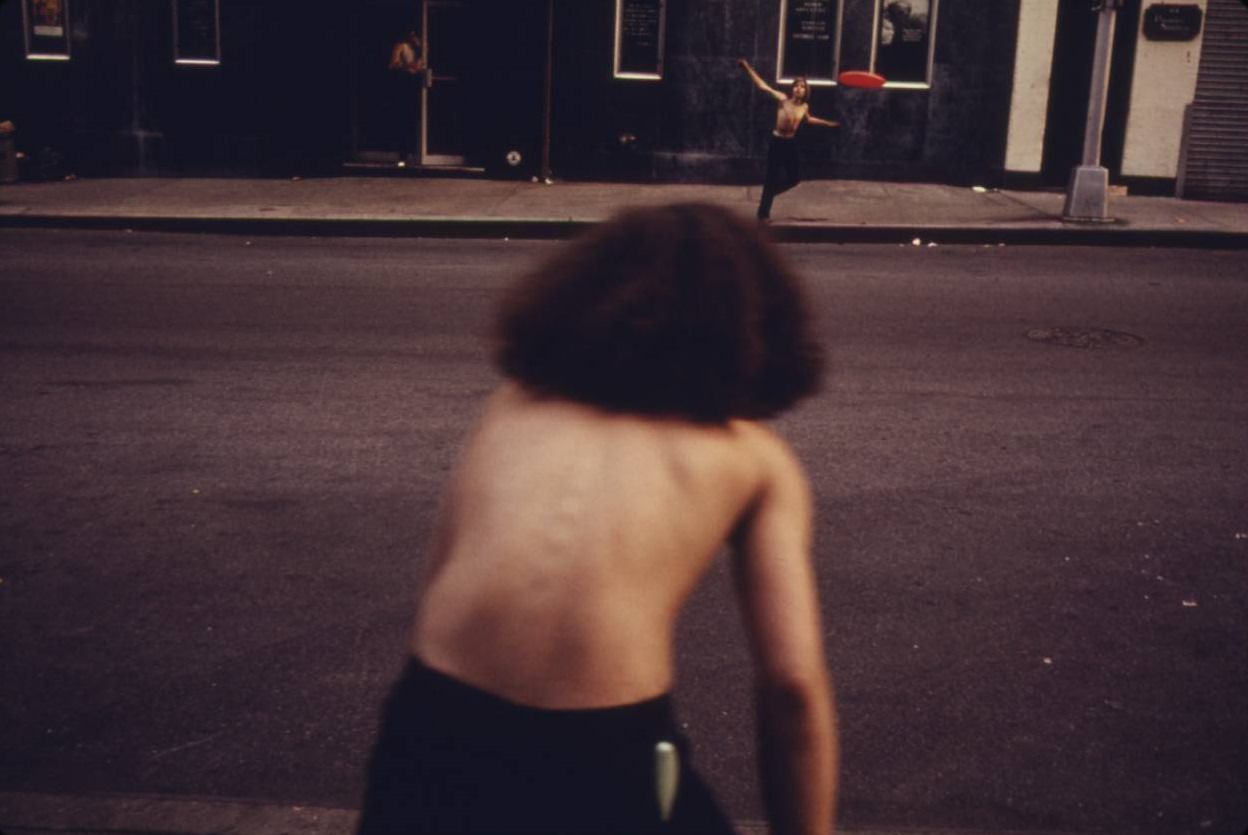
(315, 227)
(1064, 235)
(560, 229)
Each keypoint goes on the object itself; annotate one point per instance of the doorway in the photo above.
(479, 105)
(427, 117)
(446, 30)
(1069, 84)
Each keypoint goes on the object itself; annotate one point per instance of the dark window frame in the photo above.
(30, 37)
(929, 60)
(783, 77)
(198, 60)
(661, 47)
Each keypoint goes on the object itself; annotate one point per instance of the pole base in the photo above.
(1087, 196)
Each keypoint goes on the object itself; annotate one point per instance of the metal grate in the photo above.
(1215, 155)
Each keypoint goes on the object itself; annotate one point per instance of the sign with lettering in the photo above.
(639, 35)
(196, 32)
(1172, 22)
(903, 44)
(46, 27)
(809, 39)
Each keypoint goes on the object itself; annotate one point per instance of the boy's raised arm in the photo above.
(758, 80)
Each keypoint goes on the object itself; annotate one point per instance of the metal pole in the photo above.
(1087, 196)
(1099, 90)
(550, 57)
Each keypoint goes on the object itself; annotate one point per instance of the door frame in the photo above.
(431, 78)
(1070, 78)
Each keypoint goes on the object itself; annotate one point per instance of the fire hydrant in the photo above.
(8, 152)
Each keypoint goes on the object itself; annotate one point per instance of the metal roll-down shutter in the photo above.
(1214, 164)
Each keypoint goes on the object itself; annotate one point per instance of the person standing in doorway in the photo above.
(407, 68)
(783, 167)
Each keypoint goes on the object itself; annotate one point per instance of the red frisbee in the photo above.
(862, 78)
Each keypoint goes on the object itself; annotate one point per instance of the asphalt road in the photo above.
(220, 458)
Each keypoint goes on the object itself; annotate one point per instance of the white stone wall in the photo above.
(1029, 103)
(1164, 83)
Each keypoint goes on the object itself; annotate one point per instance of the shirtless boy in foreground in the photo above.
(600, 483)
(783, 169)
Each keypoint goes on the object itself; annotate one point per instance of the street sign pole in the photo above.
(1087, 195)
(547, 83)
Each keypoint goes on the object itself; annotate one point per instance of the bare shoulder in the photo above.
(778, 464)
(739, 461)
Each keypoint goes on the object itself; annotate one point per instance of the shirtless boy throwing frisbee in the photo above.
(783, 171)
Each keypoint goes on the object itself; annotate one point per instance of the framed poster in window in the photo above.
(45, 24)
(810, 40)
(197, 32)
(640, 28)
(905, 41)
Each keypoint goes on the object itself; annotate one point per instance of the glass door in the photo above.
(448, 49)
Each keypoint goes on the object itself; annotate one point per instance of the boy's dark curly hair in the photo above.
(683, 311)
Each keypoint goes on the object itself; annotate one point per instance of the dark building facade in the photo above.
(577, 89)
(516, 87)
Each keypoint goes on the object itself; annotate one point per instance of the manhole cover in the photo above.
(1084, 338)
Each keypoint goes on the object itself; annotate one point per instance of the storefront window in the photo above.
(45, 24)
(905, 41)
(810, 40)
(197, 32)
(639, 32)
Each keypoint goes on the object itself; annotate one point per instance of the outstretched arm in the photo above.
(758, 80)
(798, 748)
(823, 123)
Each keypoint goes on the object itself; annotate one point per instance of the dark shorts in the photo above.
(451, 758)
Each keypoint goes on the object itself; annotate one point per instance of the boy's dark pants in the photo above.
(783, 172)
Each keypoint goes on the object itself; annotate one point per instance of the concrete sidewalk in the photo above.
(835, 211)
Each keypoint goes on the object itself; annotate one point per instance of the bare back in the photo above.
(569, 540)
